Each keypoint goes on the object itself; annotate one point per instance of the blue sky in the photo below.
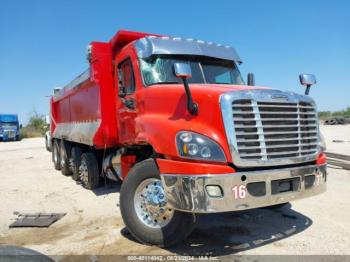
(42, 43)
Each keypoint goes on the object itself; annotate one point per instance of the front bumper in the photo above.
(261, 188)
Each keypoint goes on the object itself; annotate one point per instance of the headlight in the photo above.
(196, 146)
(322, 143)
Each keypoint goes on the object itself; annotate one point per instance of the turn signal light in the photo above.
(322, 159)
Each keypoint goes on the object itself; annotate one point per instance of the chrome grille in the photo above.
(10, 133)
(267, 130)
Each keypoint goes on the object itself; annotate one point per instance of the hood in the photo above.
(211, 89)
(163, 113)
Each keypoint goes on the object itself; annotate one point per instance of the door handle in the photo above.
(129, 103)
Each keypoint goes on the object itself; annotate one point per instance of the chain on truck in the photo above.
(173, 119)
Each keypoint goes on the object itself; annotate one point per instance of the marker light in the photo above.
(214, 191)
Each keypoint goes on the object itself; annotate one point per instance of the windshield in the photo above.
(8, 118)
(157, 70)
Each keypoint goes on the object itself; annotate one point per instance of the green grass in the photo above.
(36, 126)
(328, 114)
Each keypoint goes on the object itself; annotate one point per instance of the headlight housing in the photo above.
(195, 146)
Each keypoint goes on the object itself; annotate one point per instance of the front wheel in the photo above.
(145, 210)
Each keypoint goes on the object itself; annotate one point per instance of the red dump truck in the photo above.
(174, 120)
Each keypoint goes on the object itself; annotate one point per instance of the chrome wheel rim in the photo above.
(151, 205)
(83, 172)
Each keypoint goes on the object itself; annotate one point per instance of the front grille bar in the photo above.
(258, 124)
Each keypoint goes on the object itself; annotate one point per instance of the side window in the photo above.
(126, 77)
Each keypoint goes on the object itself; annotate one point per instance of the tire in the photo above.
(88, 171)
(47, 144)
(56, 155)
(341, 121)
(76, 159)
(174, 227)
(332, 121)
(64, 158)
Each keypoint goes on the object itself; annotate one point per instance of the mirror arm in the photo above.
(191, 106)
(307, 90)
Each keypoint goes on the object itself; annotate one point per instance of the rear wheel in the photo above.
(88, 171)
(145, 210)
(64, 158)
(76, 159)
(56, 155)
(47, 144)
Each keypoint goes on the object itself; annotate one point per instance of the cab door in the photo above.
(126, 108)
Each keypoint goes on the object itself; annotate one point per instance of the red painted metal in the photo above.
(127, 162)
(162, 113)
(167, 166)
(96, 98)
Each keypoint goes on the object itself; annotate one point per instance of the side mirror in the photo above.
(20, 126)
(307, 80)
(250, 79)
(182, 70)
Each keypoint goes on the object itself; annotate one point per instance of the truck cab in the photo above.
(9, 127)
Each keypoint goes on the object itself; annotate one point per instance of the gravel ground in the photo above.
(93, 225)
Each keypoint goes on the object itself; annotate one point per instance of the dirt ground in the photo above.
(93, 225)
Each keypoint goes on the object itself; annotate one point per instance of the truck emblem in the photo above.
(280, 97)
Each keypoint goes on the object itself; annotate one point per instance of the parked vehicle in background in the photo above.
(174, 120)
(9, 127)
